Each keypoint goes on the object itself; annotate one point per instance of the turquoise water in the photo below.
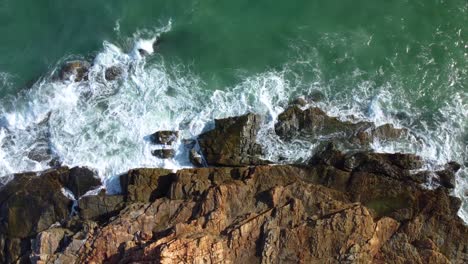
(403, 62)
(221, 38)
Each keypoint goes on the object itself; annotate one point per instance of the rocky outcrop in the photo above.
(341, 208)
(30, 204)
(232, 142)
(165, 138)
(313, 123)
(338, 207)
(33, 202)
(196, 158)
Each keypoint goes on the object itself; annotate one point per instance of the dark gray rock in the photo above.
(300, 101)
(81, 180)
(232, 142)
(165, 137)
(164, 153)
(396, 165)
(41, 149)
(447, 175)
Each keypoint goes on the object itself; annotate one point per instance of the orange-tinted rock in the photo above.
(278, 214)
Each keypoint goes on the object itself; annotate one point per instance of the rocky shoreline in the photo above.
(338, 207)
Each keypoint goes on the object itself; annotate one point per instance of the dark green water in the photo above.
(400, 61)
(422, 42)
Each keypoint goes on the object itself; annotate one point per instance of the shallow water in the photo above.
(403, 62)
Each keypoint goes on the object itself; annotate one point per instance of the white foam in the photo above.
(104, 125)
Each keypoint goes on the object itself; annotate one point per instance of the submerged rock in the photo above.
(300, 101)
(113, 72)
(165, 137)
(166, 153)
(316, 96)
(41, 150)
(76, 71)
(232, 142)
(313, 124)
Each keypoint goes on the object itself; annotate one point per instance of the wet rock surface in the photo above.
(166, 153)
(313, 123)
(112, 73)
(232, 142)
(41, 150)
(196, 158)
(81, 180)
(165, 137)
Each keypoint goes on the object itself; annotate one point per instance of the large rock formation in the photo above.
(232, 142)
(372, 211)
(356, 207)
(33, 202)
